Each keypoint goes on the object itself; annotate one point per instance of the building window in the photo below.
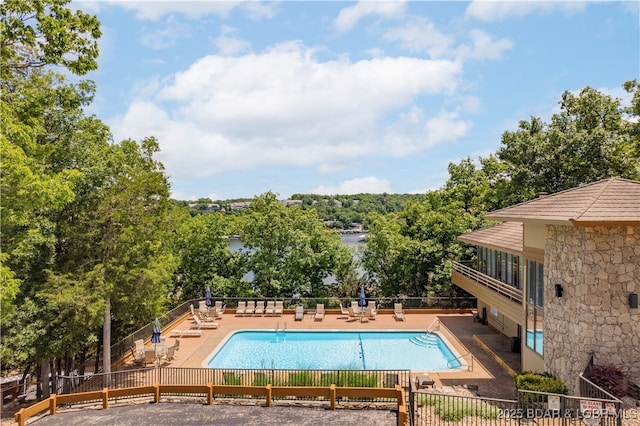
(535, 306)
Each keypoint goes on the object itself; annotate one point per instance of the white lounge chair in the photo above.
(240, 309)
(259, 308)
(270, 309)
(186, 333)
(219, 308)
(343, 310)
(319, 312)
(205, 324)
(251, 306)
(371, 310)
(353, 313)
(203, 308)
(398, 312)
(279, 308)
(299, 313)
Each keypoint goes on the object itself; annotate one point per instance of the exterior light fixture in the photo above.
(633, 300)
(559, 290)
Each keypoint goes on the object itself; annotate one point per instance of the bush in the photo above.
(608, 377)
(454, 409)
(540, 382)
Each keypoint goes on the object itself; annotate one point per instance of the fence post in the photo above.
(105, 398)
(269, 394)
(402, 406)
(156, 393)
(53, 404)
(332, 392)
(209, 393)
(20, 417)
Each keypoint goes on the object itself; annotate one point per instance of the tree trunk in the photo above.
(106, 342)
(45, 369)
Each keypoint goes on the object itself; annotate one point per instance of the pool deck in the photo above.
(488, 375)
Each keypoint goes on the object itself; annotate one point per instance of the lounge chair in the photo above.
(240, 309)
(139, 347)
(259, 308)
(371, 310)
(250, 307)
(344, 311)
(203, 308)
(299, 313)
(205, 324)
(219, 308)
(186, 333)
(279, 308)
(270, 309)
(319, 312)
(398, 312)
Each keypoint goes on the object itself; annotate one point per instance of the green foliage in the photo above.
(301, 378)
(456, 409)
(540, 382)
(289, 249)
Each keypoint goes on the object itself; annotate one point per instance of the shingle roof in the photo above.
(612, 201)
(506, 236)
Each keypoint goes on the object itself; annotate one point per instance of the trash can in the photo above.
(515, 344)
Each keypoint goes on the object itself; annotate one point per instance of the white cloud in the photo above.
(493, 10)
(228, 43)
(483, 46)
(160, 38)
(153, 10)
(285, 108)
(365, 185)
(419, 35)
(349, 16)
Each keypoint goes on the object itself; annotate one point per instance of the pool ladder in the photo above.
(283, 331)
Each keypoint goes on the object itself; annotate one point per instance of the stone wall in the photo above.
(598, 268)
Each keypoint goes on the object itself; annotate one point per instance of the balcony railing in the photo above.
(498, 286)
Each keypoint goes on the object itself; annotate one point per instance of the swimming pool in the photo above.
(334, 350)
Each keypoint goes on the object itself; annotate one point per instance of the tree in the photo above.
(290, 251)
(587, 141)
(205, 259)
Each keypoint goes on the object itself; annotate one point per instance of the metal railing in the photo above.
(498, 286)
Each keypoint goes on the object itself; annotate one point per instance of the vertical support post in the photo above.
(156, 393)
(19, 417)
(332, 393)
(105, 398)
(402, 406)
(209, 393)
(269, 395)
(53, 404)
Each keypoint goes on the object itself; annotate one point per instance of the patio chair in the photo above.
(176, 344)
(149, 357)
(205, 324)
(371, 311)
(259, 310)
(353, 313)
(424, 381)
(136, 357)
(372, 305)
(250, 307)
(139, 344)
(203, 308)
(170, 353)
(279, 308)
(240, 309)
(398, 312)
(270, 309)
(299, 313)
(319, 312)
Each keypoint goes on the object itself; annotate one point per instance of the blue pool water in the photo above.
(368, 350)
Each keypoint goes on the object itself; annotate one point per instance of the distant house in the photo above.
(291, 202)
(561, 275)
(239, 205)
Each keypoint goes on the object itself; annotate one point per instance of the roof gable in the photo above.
(609, 201)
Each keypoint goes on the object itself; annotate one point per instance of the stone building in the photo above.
(561, 276)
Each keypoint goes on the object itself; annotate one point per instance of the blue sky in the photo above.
(344, 97)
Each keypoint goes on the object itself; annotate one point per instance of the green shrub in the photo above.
(539, 382)
(301, 378)
(454, 409)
